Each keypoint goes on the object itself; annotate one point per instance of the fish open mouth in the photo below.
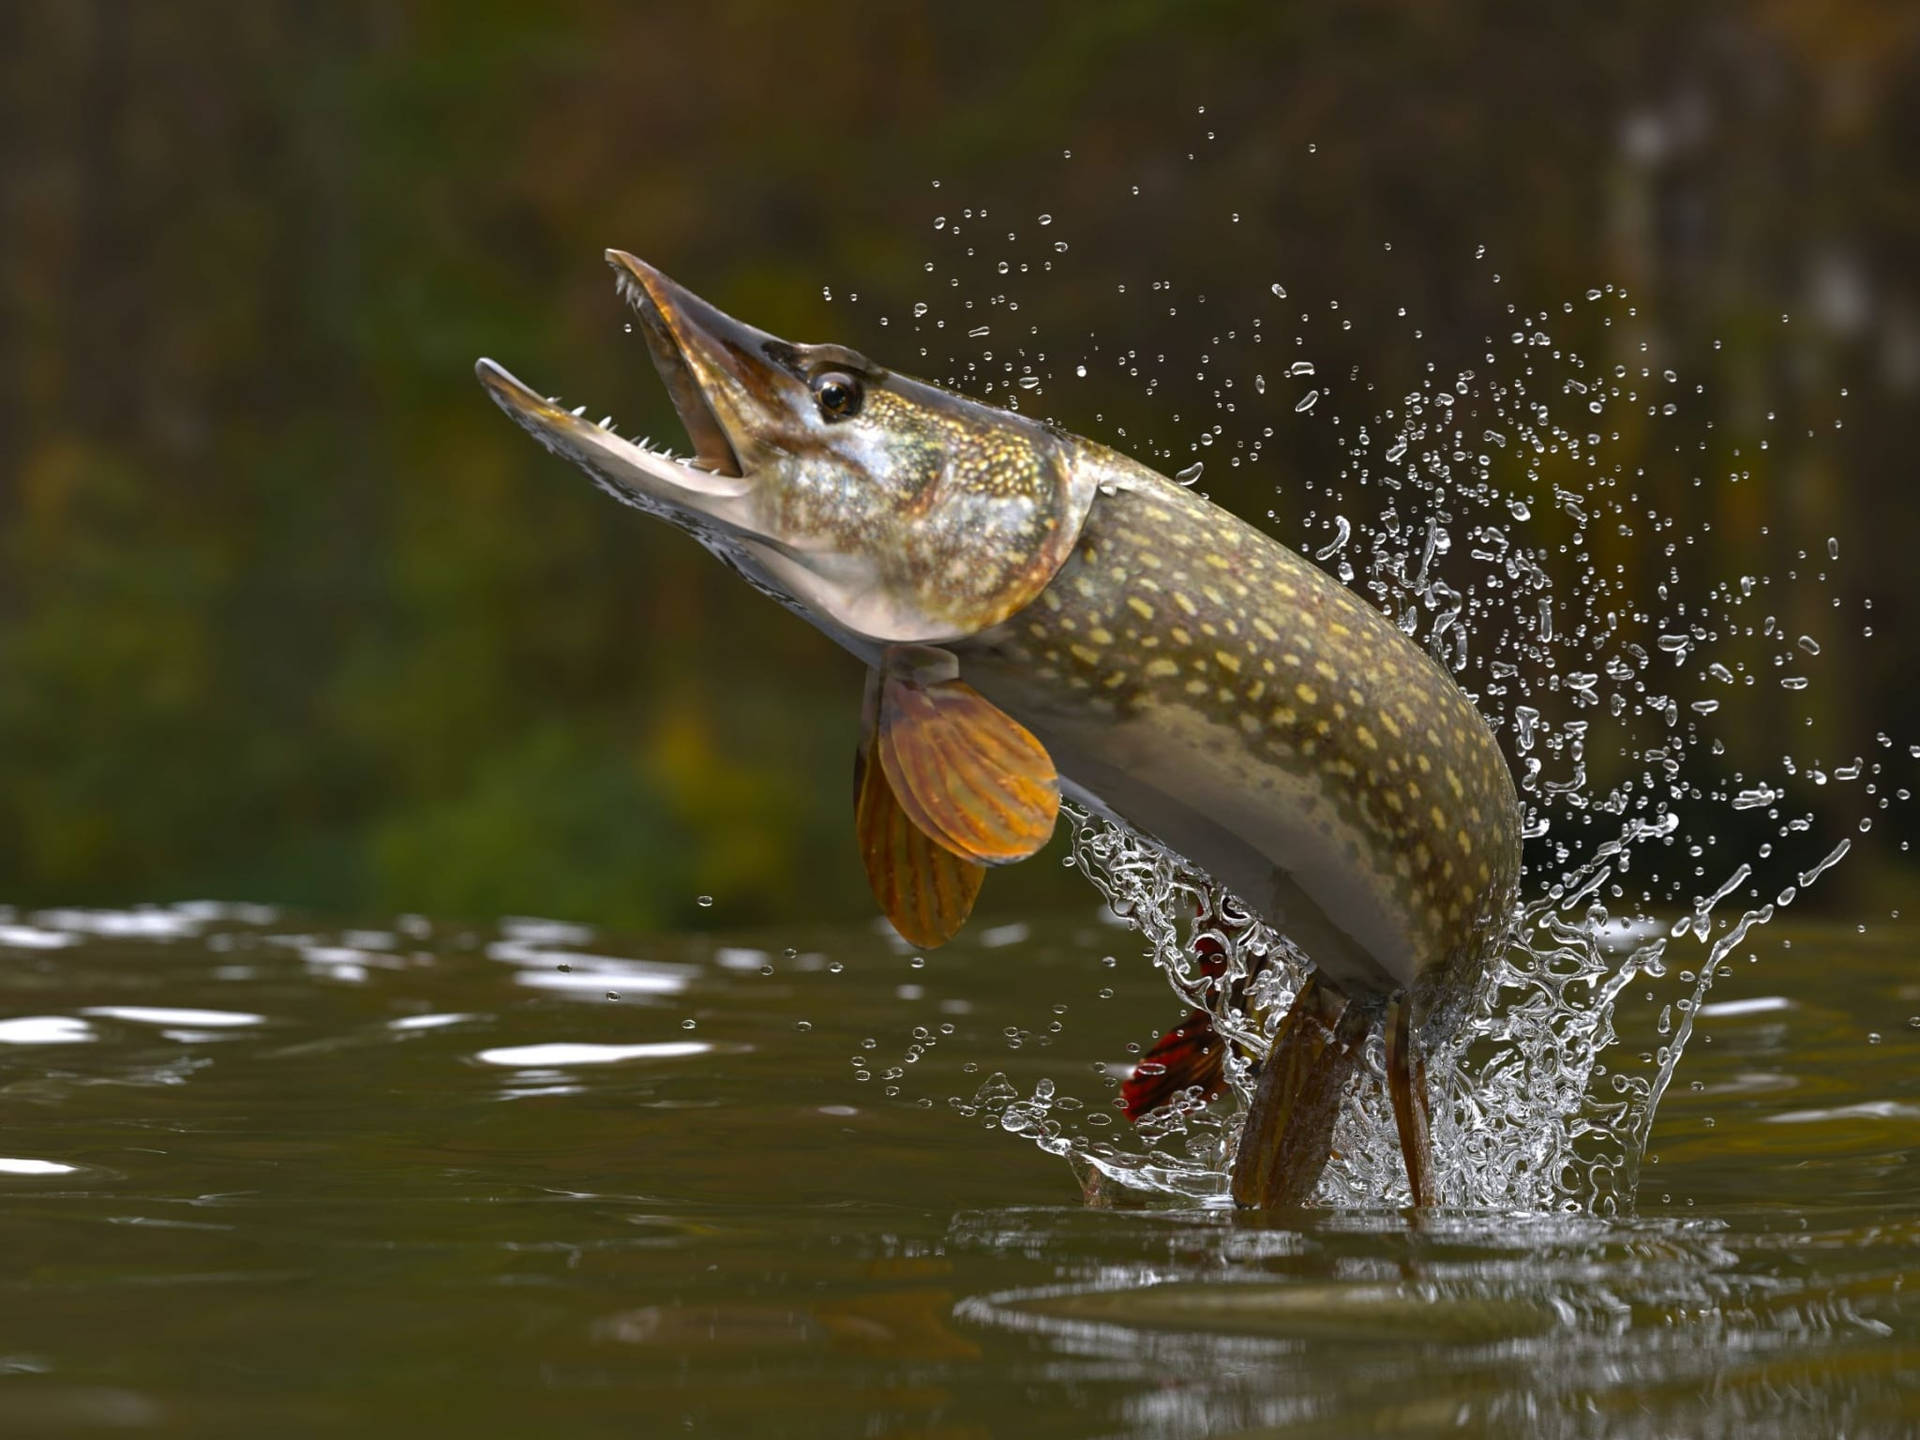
(692, 345)
(665, 321)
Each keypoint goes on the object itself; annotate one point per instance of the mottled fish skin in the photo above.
(1213, 688)
(1181, 669)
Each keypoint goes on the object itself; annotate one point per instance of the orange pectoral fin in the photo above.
(924, 889)
(966, 772)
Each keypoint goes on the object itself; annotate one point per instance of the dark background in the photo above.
(289, 613)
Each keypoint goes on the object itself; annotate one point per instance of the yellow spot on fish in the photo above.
(1100, 636)
(1439, 816)
(1086, 654)
(1325, 671)
(1180, 636)
(1196, 687)
(1160, 669)
(1249, 722)
(1219, 562)
(1283, 716)
(1185, 604)
(1465, 840)
(1229, 663)
(1365, 737)
(1140, 607)
(1256, 690)
(1308, 695)
(1388, 724)
(1266, 631)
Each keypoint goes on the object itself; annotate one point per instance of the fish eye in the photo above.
(838, 394)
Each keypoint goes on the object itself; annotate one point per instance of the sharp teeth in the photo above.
(578, 411)
(606, 422)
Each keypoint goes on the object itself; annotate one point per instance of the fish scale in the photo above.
(1239, 664)
(1040, 616)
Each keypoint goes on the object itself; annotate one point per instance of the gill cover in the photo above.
(879, 506)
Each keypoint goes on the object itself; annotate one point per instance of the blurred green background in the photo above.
(289, 613)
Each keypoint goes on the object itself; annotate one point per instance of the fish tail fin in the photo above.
(1288, 1135)
(1407, 1086)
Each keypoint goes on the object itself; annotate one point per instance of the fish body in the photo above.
(1041, 613)
(1217, 691)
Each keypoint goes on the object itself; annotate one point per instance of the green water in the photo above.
(352, 1197)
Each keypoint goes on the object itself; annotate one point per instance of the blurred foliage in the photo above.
(287, 612)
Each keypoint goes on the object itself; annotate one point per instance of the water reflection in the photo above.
(218, 1148)
(45, 1030)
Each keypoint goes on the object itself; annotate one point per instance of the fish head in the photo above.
(879, 506)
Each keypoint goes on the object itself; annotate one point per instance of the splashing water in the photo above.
(1538, 556)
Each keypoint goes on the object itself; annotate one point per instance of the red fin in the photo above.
(1190, 1054)
(964, 771)
(925, 890)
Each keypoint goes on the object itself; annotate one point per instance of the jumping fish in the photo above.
(1038, 613)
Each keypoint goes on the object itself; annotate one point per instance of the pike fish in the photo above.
(1038, 614)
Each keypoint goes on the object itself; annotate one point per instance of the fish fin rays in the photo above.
(1288, 1135)
(1189, 1055)
(966, 773)
(924, 889)
(945, 784)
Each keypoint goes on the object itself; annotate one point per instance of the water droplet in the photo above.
(1192, 473)
(1046, 219)
(803, 1025)
(1081, 371)
(1307, 402)
(1260, 384)
(613, 994)
(1279, 290)
(689, 1024)
(705, 902)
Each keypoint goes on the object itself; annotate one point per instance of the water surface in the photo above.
(260, 1177)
